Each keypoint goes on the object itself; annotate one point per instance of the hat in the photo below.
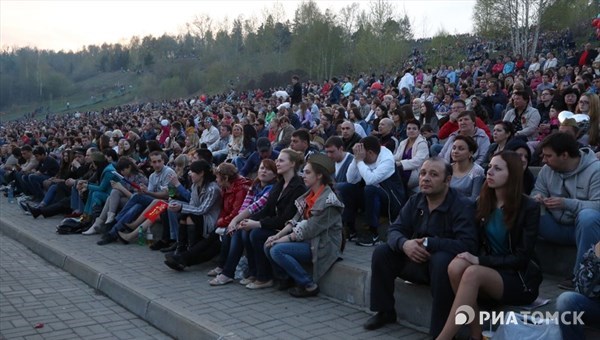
(208, 120)
(98, 157)
(164, 122)
(322, 160)
(263, 144)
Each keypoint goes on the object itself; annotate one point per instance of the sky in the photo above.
(69, 25)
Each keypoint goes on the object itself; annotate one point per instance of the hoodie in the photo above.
(580, 187)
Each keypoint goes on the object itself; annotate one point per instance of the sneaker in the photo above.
(302, 292)
(247, 280)
(368, 241)
(220, 280)
(215, 272)
(24, 207)
(567, 284)
(260, 285)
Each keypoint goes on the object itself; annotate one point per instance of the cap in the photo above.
(208, 120)
(164, 122)
(322, 160)
(263, 144)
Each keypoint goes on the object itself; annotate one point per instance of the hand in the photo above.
(415, 250)
(173, 180)
(472, 259)
(249, 224)
(70, 182)
(359, 152)
(270, 240)
(554, 202)
(143, 189)
(539, 198)
(231, 228)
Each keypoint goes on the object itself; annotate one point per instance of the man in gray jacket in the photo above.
(568, 187)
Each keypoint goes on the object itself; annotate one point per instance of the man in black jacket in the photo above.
(433, 227)
(296, 96)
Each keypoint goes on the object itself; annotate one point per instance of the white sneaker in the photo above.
(91, 231)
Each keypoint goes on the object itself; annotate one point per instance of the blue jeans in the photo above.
(351, 195)
(254, 248)
(76, 201)
(575, 302)
(232, 248)
(50, 194)
(584, 234)
(134, 206)
(497, 114)
(33, 184)
(287, 259)
(375, 199)
(435, 149)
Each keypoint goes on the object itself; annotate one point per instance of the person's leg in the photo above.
(245, 237)
(573, 302)
(435, 149)
(455, 272)
(587, 232)
(49, 196)
(441, 290)
(289, 257)
(96, 198)
(232, 257)
(498, 108)
(225, 246)
(263, 266)
(386, 265)
(552, 231)
(351, 195)
(127, 216)
(36, 185)
(475, 279)
(374, 198)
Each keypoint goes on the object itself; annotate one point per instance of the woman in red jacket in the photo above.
(234, 188)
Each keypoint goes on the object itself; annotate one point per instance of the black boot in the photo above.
(182, 239)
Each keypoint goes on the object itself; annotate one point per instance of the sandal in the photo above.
(260, 285)
(220, 280)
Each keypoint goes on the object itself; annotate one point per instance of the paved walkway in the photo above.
(183, 304)
(34, 292)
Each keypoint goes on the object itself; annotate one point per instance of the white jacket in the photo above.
(373, 173)
(420, 153)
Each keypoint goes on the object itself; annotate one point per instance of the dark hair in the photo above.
(153, 145)
(429, 110)
(228, 127)
(161, 154)
(469, 113)
(471, 144)
(415, 122)
(303, 134)
(356, 113)
(507, 126)
(111, 153)
(334, 141)
(560, 143)
(250, 136)
(406, 112)
(126, 162)
(39, 150)
(26, 148)
(202, 166)
(522, 94)
(514, 191)
(448, 171)
(371, 143)
(426, 128)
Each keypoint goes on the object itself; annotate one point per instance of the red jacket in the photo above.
(450, 127)
(233, 197)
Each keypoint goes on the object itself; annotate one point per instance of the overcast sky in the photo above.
(69, 25)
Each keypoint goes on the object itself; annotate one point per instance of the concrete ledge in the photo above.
(135, 300)
(183, 324)
(347, 283)
(83, 271)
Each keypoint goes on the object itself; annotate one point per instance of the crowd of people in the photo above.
(442, 155)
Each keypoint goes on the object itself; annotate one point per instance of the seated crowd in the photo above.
(441, 159)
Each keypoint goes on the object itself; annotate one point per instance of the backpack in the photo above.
(70, 226)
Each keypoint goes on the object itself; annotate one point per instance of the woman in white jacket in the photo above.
(411, 154)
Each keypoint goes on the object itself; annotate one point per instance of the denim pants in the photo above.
(50, 194)
(351, 195)
(575, 302)
(375, 199)
(33, 184)
(76, 201)
(287, 259)
(584, 234)
(232, 248)
(254, 248)
(136, 204)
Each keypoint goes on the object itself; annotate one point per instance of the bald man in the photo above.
(386, 137)
(349, 135)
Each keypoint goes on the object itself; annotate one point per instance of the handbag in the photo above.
(527, 328)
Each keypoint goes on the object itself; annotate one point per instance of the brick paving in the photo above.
(241, 312)
(32, 292)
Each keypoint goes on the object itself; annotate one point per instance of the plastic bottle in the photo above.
(11, 194)
(149, 237)
(141, 238)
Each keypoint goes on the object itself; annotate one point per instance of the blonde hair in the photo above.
(295, 157)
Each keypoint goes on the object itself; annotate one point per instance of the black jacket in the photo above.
(279, 210)
(450, 227)
(522, 238)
